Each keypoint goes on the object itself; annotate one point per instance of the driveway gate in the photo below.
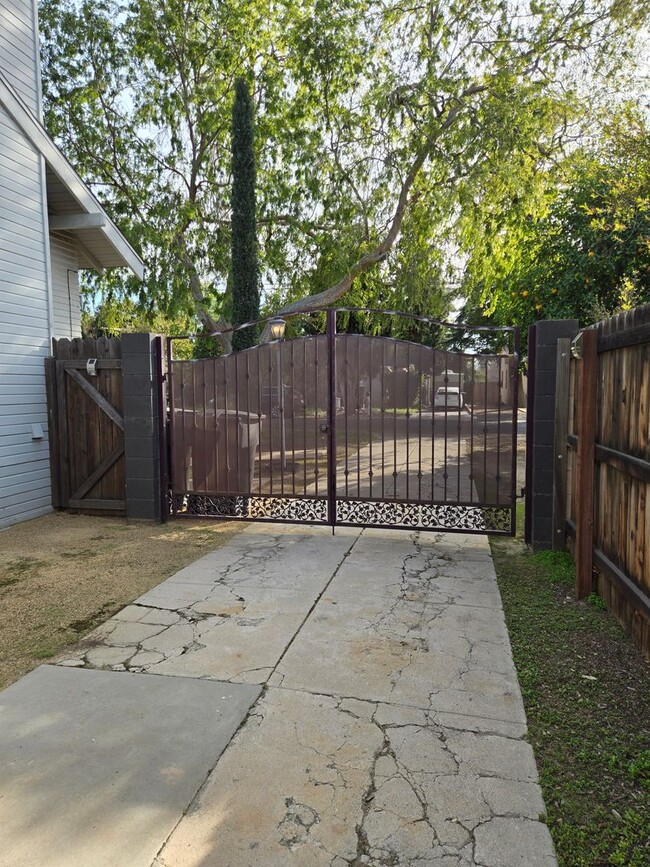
(349, 429)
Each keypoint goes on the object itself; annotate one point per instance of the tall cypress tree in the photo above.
(245, 283)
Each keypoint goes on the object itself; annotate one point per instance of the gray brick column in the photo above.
(141, 426)
(540, 427)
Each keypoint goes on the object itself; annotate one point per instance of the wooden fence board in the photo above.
(620, 468)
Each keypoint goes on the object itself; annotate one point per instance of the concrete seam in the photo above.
(315, 603)
(205, 779)
(524, 737)
(253, 706)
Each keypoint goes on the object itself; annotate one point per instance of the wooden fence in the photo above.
(602, 464)
(85, 415)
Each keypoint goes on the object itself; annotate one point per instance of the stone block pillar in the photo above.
(142, 410)
(540, 427)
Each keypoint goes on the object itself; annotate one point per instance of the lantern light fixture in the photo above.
(277, 327)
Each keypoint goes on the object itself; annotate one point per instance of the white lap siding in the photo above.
(65, 286)
(24, 329)
(19, 59)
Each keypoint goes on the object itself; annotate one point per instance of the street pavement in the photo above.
(293, 698)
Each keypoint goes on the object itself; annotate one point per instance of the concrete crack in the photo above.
(297, 823)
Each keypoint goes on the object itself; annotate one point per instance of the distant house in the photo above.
(51, 226)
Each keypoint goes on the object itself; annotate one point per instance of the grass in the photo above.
(586, 689)
(86, 570)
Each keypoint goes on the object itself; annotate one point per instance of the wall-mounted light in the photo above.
(277, 327)
(576, 346)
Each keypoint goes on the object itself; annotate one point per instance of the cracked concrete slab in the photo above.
(96, 767)
(362, 783)
(413, 635)
(390, 730)
(227, 617)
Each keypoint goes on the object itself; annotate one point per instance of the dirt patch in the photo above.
(63, 575)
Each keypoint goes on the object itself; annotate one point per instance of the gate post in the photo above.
(560, 454)
(331, 434)
(142, 453)
(543, 337)
(587, 420)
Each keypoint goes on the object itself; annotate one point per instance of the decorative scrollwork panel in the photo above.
(288, 509)
(422, 516)
(252, 507)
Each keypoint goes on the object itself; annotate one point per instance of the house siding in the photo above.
(65, 286)
(24, 327)
(19, 54)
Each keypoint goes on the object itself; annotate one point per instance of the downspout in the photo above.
(48, 253)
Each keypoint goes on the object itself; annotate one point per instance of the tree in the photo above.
(367, 117)
(139, 96)
(245, 290)
(585, 251)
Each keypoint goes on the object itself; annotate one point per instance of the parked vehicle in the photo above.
(448, 397)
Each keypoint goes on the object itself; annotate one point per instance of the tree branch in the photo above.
(209, 324)
(368, 260)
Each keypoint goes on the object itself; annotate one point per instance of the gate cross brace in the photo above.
(96, 397)
(98, 473)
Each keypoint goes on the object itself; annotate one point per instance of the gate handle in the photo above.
(324, 428)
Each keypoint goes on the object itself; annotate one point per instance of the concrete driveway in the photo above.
(320, 700)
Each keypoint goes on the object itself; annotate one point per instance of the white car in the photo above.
(448, 397)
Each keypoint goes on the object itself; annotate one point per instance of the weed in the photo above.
(17, 569)
(80, 627)
(557, 566)
(79, 554)
(47, 650)
(596, 600)
(639, 768)
(630, 851)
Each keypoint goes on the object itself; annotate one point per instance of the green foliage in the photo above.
(629, 850)
(351, 97)
(639, 769)
(556, 566)
(115, 316)
(245, 290)
(578, 245)
(596, 600)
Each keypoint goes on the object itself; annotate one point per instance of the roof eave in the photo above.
(58, 163)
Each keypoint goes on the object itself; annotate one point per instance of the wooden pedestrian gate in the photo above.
(346, 429)
(86, 425)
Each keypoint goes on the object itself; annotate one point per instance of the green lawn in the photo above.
(587, 694)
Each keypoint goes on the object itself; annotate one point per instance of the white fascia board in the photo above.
(88, 204)
(69, 222)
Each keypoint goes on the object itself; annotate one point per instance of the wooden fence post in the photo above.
(587, 420)
(562, 375)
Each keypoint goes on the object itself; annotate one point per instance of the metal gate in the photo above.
(349, 429)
